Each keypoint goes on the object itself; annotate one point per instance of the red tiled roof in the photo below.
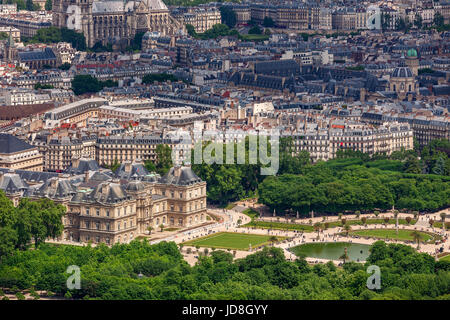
(22, 111)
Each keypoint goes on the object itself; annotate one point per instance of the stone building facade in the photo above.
(114, 22)
(116, 207)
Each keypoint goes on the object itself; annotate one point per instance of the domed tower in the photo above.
(412, 61)
(403, 80)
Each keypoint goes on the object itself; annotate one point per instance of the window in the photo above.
(97, 239)
(88, 224)
(107, 213)
(107, 240)
(87, 211)
(98, 212)
(108, 226)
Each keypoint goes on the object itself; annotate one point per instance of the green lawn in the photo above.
(280, 226)
(445, 258)
(391, 234)
(310, 228)
(439, 225)
(234, 241)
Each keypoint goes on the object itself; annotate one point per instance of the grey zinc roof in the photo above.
(108, 192)
(186, 177)
(11, 183)
(107, 6)
(46, 54)
(83, 166)
(55, 188)
(137, 171)
(11, 144)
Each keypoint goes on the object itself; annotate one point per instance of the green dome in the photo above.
(412, 53)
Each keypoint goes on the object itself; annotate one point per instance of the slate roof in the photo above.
(55, 188)
(137, 171)
(46, 54)
(184, 177)
(83, 166)
(11, 144)
(12, 183)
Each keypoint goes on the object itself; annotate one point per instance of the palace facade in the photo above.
(114, 207)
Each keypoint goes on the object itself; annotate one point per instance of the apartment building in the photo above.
(17, 154)
(322, 142)
(201, 18)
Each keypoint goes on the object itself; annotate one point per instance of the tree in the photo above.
(443, 216)
(376, 213)
(161, 226)
(418, 21)
(239, 222)
(268, 22)
(8, 240)
(149, 229)
(82, 84)
(417, 236)
(65, 66)
(273, 239)
(386, 220)
(408, 220)
(364, 220)
(114, 166)
(357, 213)
(191, 30)
(228, 16)
(163, 158)
(431, 222)
(150, 166)
(255, 30)
(318, 227)
(343, 221)
(438, 19)
(347, 229)
(48, 5)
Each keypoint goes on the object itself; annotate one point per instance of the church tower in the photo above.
(10, 49)
(412, 61)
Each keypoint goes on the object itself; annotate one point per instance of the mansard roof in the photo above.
(108, 192)
(11, 144)
(12, 183)
(133, 170)
(182, 176)
(55, 188)
(83, 166)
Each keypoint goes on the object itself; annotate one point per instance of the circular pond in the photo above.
(333, 250)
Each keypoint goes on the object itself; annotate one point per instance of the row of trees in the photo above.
(406, 25)
(30, 221)
(348, 185)
(230, 182)
(55, 35)
(142, 271)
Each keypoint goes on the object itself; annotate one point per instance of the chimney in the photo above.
(177, 171)
(86, 176)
